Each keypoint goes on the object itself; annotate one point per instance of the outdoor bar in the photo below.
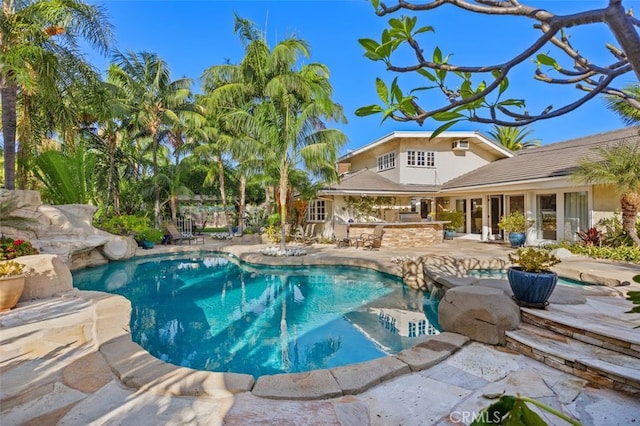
(402, 234)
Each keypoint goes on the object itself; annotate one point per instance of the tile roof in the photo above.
(547, 161)
(366, 180)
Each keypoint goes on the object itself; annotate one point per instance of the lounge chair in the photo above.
(307, 236)
(178, 237)
(371, 240)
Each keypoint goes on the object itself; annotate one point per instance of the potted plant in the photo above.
(455, 219)
(532, 281)
(148, 237)
(11, 284)
(516, 224)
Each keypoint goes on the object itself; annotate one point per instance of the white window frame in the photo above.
(421, 158)
(387, 161)
(317, 211)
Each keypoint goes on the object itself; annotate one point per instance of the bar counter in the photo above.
(402, 234)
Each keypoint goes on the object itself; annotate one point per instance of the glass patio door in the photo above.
(546, 217)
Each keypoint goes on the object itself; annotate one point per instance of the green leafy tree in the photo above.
(67, 175)
(629, 108)
(619, 166)
(283, 107)
(514, 138)
(39, 58)
(155, 103)
(479, 93)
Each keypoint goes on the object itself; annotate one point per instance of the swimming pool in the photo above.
(502, 274)
(212, 312)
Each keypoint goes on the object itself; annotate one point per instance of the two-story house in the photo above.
(399, 174)
(406, 176)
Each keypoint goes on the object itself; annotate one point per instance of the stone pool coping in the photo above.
(138, 369)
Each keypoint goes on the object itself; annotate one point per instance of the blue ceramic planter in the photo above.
(531, 288)
(448, 235)
(146, 244)
(517, 239)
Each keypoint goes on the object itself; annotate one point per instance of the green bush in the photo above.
(273, 219)
(149, 234)
(125, 225)
(515, 222)
(455, 217)
(620, 253)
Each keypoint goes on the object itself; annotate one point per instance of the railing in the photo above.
(184, 224)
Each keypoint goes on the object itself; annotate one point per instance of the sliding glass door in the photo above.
(546, 220)
(576, 214)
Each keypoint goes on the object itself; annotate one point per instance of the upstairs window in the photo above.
(316, 211)
(421, 158)
(387, 161)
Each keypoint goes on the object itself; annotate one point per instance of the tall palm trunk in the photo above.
(283, 208)
(268, 191)
(630, 203)
(223, 194)
(9, 93)
(156, 186)
(243, 189)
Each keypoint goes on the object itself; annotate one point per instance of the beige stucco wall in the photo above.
(605, 202)
(449, 163)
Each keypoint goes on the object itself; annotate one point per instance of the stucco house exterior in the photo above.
(405, 176)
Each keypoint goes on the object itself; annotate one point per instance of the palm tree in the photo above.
(155, 103)
(514, 138)
(38, 54)
(280, 107)
(629, 113)
(618, 166)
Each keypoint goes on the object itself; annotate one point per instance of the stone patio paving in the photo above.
(53, 370)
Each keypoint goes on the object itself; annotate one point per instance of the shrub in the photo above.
(515, 222)
(455, 217)
(592, 237)
(256, 218)
(10, 248)
(126, 225)
(532, 259)
(10, 269)
(620, 253)
(149, 234)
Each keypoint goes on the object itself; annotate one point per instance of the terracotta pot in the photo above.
(10, 291)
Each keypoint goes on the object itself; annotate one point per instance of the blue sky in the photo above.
(194, 35)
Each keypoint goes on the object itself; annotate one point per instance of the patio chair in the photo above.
(178, 237)
(371, 240)
(308, 236)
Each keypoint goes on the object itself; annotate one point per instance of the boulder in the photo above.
(481, 313)
(48, 276)
(119, 248)
(67, 231)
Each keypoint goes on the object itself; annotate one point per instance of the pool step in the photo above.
(603, 331)
(596, 364)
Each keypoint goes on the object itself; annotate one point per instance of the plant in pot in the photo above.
(455, 219)
(12, 277)
(516, 224)
(532, 281)
(148, 237)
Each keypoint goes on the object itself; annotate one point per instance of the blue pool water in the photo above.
(502, 274)
(212, 312)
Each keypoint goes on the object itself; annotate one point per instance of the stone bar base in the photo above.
(402, 235)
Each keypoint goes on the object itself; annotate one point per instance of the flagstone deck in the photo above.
(69, 360)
